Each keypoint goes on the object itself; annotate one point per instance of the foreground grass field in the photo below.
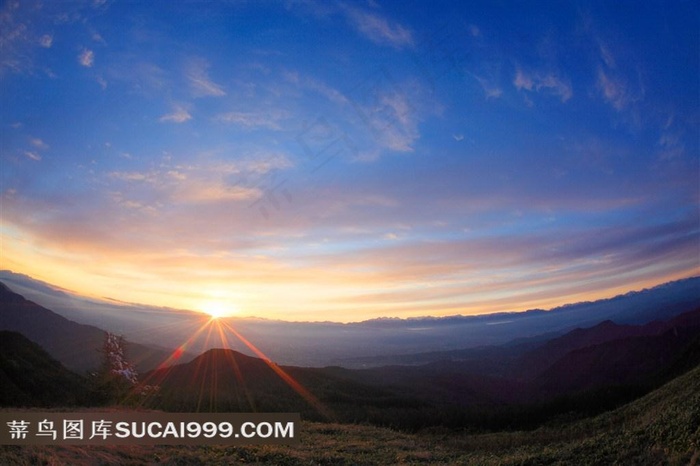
(660, 428)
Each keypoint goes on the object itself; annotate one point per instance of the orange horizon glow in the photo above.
(271, 289)
(256, 300)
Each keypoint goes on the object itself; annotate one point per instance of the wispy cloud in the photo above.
(671, 144)
(201, 84)
(46, 41)
(547, 82)
(86, 58)
(491, 89)
(32, 155)
(211, 182)
(378, 29)
(178, 115)
(254, 120)
(614, 90)
(38, 143)
(315, 85)
(619, 85)
(393, 120)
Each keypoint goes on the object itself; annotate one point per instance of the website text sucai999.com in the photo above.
(129, 428)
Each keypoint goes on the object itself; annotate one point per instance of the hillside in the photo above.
(660, 428)
(30, 377)
(588, 369)
(223, 380)
(75, 345)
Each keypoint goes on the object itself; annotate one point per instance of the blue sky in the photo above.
(346, 160)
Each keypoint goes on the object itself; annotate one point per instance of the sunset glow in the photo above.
(218, 309)
(344, 161)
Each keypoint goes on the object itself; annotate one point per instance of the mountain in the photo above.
(29, 377)
(587, 370)
(76, 346)
(227, 380)
(652, 355)
(371, 343)
(543, 356)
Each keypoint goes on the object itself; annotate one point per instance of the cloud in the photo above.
(616, 90)
(32, 155)
(394, 122)
(671, 144)
(179, 115)
(618, 81)
(201, 84)
(606, 55)
(377, 29)
(391, 111)
(547, 82)
(253, 120)
(86, 58)
(491, 90)
(522, 80)
(313, 84)
(38, 143)
(46, 41)
(144, 77)
(210, 182)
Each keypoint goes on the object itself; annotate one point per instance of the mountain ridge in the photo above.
(75, 345)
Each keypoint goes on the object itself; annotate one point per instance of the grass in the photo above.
(662, 427)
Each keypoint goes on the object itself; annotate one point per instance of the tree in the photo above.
(116, 377)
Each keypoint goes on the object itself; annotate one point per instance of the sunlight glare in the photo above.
(218, 309)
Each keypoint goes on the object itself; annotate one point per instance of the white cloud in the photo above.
(377, 29)
(86, 58)
(32, 155)
(38, 143)
(547, 82)
(205, 182)
(201, 84)
(522, 81)
(179, 115)
(395, 124)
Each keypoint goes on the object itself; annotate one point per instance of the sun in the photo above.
(218, 309)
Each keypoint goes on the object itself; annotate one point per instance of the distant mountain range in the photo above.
(586, 370)
(512, 385)
(364, 344)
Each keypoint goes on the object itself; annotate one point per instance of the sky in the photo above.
(342, 161)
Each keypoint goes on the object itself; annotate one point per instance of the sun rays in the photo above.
(219, 334)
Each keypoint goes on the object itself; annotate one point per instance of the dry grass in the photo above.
(660, 428)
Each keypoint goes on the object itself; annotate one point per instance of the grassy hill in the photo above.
(662, 427)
